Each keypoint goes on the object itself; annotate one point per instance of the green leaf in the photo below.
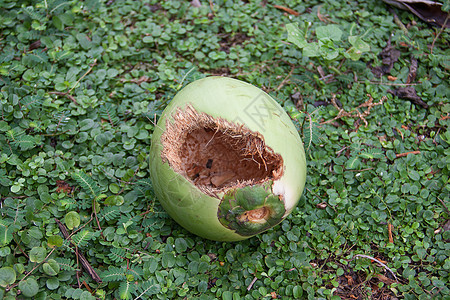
(4, 126)
(353, 163)
(114, 200)
(57, 22)
(51, 267)
(29, 287)
(227, 295)
(180, 245)
(327, 49)
(332, 32)
(428, 215)
(202, 286)
(109, 113)
(87, 183)
(85, 43)
(86, 124)
(55, 241)
(7, 276)
(6, 235)
(311, 50)
(65, 263)
(390, 154)
(110, 212)
(295, 36)
(149, 288)
(52, 283)
(37, 254)
(82, 238)
(16, 188)
(117, 254)
(358, 43)
(125, 290)
(414, 175)
(72, 220)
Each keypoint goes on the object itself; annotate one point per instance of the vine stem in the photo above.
(31, 271)
(285, 80)
(67, 94)
(439, 33)
(84, 75)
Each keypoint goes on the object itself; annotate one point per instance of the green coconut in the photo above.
(226, 161)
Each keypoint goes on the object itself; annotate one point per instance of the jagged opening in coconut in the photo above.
(216, 154)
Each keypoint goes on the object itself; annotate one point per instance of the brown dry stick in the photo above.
(84, 262)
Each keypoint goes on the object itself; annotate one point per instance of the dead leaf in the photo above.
(382, 138)
(196, 3)
(62, 186)
(137, 80)
(446, 227)
(379, 259)
(388, 56)
(412, 71)
(392, 78)
(34, 45)
(323, 18)
(409, 93)
(322, 205)
(428, 11)
(288, 10)
(384, 279)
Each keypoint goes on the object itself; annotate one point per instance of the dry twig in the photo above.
(376, 260)
(285, 79)
(68, 93)
(84, 262)
(406, 154)
(438, 34)
(355, 113)
(390, 227)
(445, 206)
(287, 10)
(251, 284)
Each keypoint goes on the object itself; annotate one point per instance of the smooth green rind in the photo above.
(186, 204)
(240, 103)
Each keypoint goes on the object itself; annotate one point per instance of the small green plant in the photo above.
(329, 46)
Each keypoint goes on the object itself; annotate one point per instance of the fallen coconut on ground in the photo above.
(226, 161)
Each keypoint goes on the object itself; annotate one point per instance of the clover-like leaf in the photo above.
(72, 220)
(51, 267)
(7, 276)
(55, 241)
(29, 287)
(38, 254)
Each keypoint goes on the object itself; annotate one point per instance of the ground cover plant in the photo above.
(83, 83)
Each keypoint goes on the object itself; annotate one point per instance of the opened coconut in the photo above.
(226, 161)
